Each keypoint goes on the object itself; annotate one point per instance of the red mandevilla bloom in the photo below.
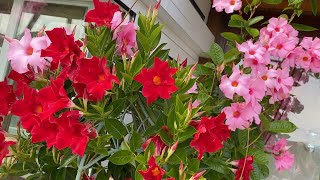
(4, 146)
(154, 172)
(102, 13)
(7, 97)
(244, 168)
(157, 81)
(211, 132)
(93, 76)
(63, 49)
(72, 133)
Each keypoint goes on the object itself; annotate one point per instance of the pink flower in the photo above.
(303, 60)
(193, 89)
(279, 146)
(26, 52)
(257, 89)
(125, 33)
(315, 65)
(228, 5)
(284, 161)
(281, 45)
(254, 51)
(312, 45)
(277, 25)
(218, 5)
(254, 109)
(232, 5)
(284, 80)
(268, 76)
(276, 95)
(265, 37)
(237, 116)
(290, 60)
(236, 83)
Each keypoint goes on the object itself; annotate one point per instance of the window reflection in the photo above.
(35, 15)
(5, 10)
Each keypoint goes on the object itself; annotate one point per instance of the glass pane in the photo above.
(35, 15)
(5, 10)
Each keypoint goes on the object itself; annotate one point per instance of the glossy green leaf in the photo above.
(272, 1)
(216, 53)
(302, 27)
(232, 37)
(252, 31)
(135, 141)
(255, 20)
(121, 157)
(314, 7)
(115, 128)
(282, 126)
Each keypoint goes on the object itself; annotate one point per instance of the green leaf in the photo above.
(135, 141)
(216, 165)
(121, 157)
(272, 1)
(232, 37)
(294, 2)
(216, 54)
(118, 106)
(165, 137)
(187, 133)
(255, 20)
(180, 155)
(252, 31)
(231, 55)
(302, 27)
(281, 126)
(115, 128)
(314, 7)
(193, 165)
(259, 156)
(237, 21)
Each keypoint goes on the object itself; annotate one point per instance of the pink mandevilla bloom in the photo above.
(257, 90)
(279, 146)
(237, 116)
(284, 80)
(268, 76)
(281, 45)
(236, 83)
(311, 45)
(26, 52)
(284, 161)
(125, 33)
(229, 6)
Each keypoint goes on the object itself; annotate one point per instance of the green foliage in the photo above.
(302, 27)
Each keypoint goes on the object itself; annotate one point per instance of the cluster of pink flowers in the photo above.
(276, 44)
(284, 160)
(229, 6)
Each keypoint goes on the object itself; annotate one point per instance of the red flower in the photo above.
(63, 49)
(158, 143)
(4, 146)
(211, 132)
(102, 13)
(54, 98)
(46, 130)
(157, 81)
(21, 80)
(72, 133)
(93, 76)
(28, 108)
(244, 168)
(36, 106)
(7, 97)
(154, 172)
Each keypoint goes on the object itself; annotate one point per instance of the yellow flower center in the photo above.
(102, 77)
(156, 80)
(236, 114)
(29, 51)
(39, 109)
(234, 84)
(155, 171)
(264, 77)
(305, 58)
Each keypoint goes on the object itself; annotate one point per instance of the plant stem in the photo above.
(81, 167)
(245, 158)
(254, 140)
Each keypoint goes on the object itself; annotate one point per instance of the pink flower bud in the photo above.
(196, 176)
(157, 6)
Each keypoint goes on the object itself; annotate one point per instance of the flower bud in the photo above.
(197, 176)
